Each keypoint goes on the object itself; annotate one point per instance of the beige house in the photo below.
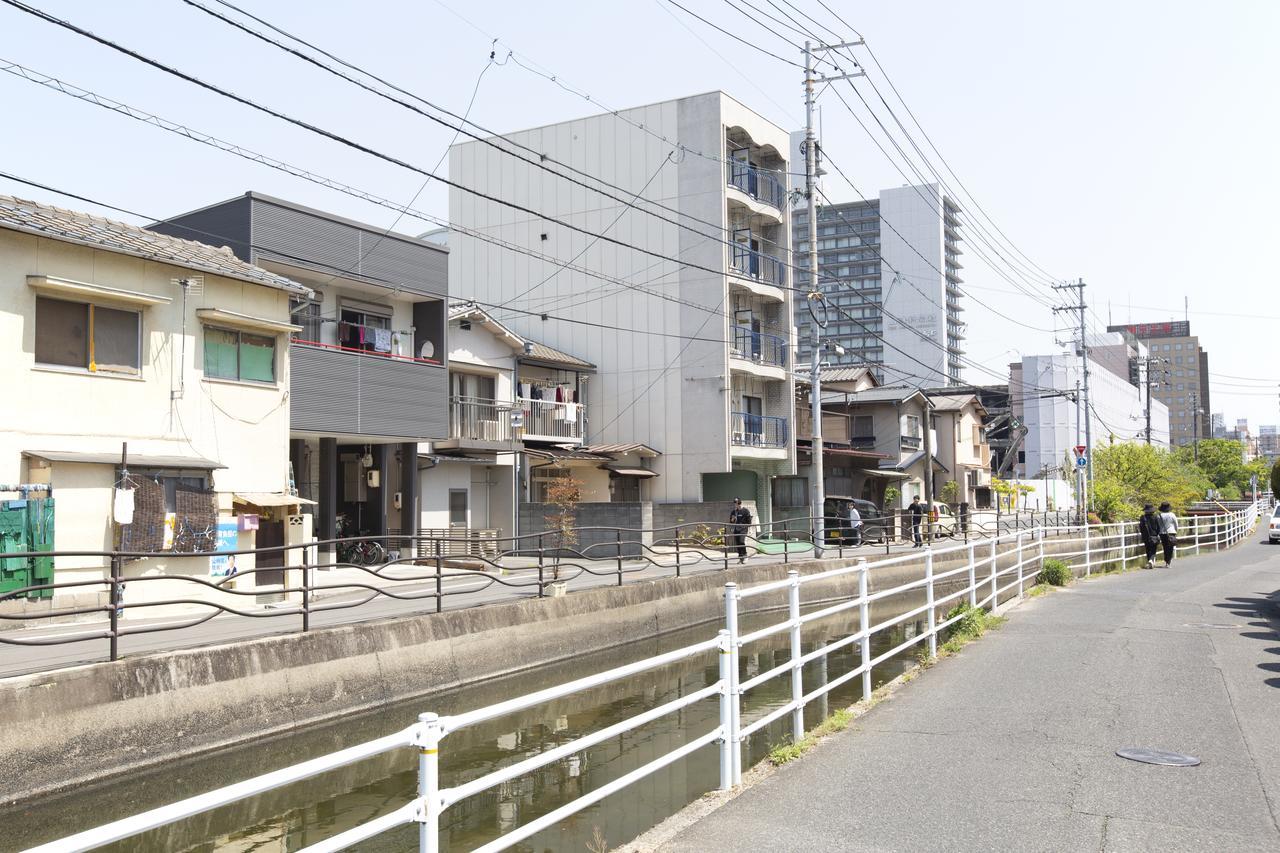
(962, 448)
(120, 336)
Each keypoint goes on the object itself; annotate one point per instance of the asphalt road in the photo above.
(1011, 744)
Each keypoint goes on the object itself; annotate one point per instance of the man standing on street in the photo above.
(917, 518)
(739, 521)
(855, 524)
(1149, 530)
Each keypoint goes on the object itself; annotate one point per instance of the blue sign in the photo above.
(1082, 462)
(223, 565)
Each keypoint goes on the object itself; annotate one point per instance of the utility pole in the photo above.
(1150, 363)
(1082, 308)
(927, 441)
(1195, 425)
(814, 296)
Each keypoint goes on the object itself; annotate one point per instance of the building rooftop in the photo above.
(70, 226)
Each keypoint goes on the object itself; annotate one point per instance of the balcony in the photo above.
(911, 442)
(765, 354)
(759, 435)
(753, 266)
(479, 424)
(344, 391)
(762, 185)
(549, 420)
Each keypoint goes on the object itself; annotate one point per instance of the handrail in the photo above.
(1111, 545)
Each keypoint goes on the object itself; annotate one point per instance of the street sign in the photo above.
(1080, 449)
(1081, 462)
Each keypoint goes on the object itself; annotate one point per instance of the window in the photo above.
(91, 337)
(863, 426)
(790, 492)
(540, 479)
(457, 507)
(911, 426)
(359, 329)
(240, 356)
(306, 313)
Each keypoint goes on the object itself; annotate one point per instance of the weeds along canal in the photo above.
(305, 813)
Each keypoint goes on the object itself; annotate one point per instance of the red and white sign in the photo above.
(1080, 449)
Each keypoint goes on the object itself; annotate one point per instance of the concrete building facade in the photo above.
(1180, 377)
(893, 265)
(690, 328)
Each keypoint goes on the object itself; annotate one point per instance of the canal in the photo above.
(291, 818)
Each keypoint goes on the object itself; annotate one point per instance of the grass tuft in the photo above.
(787, 752)
(1055, 573)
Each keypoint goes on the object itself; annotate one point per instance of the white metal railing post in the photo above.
(735, 695)
(726, 713)
(428, 744)
(973, 574)
(1088, 561)
(797, 668)
(864, 625)
(933, 617)
(1021, 573)
(1040, 554)
(995, 562)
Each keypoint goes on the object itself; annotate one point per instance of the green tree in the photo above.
(1221, 460)
(950, 492)
(1126, 476)
(1275, 478)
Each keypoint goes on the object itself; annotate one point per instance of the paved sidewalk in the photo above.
(1010, 745)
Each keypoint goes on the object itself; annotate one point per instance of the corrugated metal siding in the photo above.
(297, 234)
(342, 392)
(225, 224)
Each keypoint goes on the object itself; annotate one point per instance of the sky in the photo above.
(1131, 145)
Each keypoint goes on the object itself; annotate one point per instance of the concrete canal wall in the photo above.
(83, 724)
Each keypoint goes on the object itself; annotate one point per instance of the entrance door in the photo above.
(747, 334)
(754, 426)
(270, 535)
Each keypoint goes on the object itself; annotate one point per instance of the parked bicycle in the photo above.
(361, 552)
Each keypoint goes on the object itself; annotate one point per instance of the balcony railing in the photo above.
(333, 389)
(912, 442)
(477, 419)
(749, 263)
(761, 431)
(758, 183)
(549, 418)
(759, 347)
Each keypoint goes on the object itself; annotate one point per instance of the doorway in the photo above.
(271, 564)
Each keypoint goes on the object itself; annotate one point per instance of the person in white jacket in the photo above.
(1168, 532)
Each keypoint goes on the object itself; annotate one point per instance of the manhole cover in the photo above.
(1209, 625)
(1158, 756)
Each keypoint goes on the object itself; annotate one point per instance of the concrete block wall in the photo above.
(629, 517)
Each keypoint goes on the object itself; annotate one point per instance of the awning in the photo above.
(632, 472)
(559, 455)
(272, 499)
(916, 457)
(136, 460)
(85, 290)
(888, 475)
(244, 321)
(842, 451)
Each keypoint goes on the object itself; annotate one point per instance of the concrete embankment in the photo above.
(84, 724)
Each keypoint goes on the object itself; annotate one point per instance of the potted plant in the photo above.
(563, 495)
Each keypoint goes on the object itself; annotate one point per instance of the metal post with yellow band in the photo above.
(427, 741)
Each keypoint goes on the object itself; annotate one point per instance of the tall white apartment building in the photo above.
(691, 330)
(892, 265)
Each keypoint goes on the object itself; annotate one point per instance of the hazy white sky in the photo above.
(1131, 144)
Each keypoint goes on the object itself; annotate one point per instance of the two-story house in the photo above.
(963, 449)
(148, 385)
(369, 377)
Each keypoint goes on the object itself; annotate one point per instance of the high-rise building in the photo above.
(1268, 440)
(1218, 425)
(891, 266)
(1179, 376)
(689, 328)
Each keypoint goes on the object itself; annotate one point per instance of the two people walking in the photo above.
(1158, 530)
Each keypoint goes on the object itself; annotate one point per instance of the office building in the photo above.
(892, 267)
(689, 328)
(1179, 378)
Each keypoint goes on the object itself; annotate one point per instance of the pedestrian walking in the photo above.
(1168, 532)
(1149, 531)
(917, 518)
(739, 522)
(855, 524)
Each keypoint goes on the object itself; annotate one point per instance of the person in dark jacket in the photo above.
(1149, 531)
(739, 522)
(917, 518)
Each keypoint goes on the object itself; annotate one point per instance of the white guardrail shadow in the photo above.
(985, 581)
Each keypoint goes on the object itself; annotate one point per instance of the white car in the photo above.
(1273, 533)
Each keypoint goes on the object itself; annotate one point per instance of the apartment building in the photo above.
(1180, 376)
(689, 328)
(369, 379)
(148, 380)
(892, 264)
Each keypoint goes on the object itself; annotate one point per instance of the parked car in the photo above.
(945, 522)
(1273, 532)
(836, 507)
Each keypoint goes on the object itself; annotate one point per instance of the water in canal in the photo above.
(291, 818)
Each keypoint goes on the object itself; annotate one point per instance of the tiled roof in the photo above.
(634, 447)
(883, 395)
(952, 402)
(542, 352)
(71, 226)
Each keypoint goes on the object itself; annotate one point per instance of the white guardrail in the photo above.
(985, 582)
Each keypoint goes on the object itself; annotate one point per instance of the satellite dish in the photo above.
(428, 350)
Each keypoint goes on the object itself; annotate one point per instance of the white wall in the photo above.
(245, 427)
(919, 298)
(681, 411)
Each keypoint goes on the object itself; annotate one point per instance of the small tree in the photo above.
(564, 494)
(1275, 478)
(950, 492)
(891, 496)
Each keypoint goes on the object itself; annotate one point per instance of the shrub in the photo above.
(1055, 573)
